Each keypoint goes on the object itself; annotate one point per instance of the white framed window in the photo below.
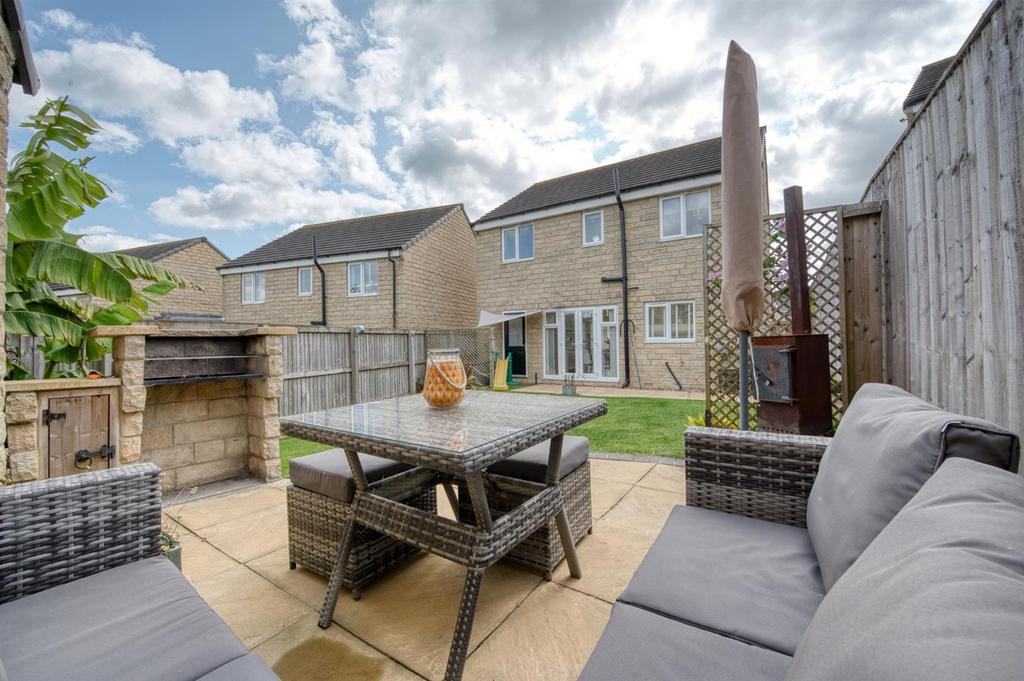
(581, 341)
(253, 289)
(593, 228)
(517, 243)
(362, 278)
(305, 281)
(671, 322)
(685, 215)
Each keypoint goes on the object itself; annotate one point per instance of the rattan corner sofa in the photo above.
(893, 551)
(86, 596)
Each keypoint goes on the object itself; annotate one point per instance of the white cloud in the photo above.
(64, 20)
(100, 239)
(127, 80)
(270, 159)
(352, 151)
(115, 137)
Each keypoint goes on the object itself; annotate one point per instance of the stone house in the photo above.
(194, 259)
(551, 271)
(410, 270)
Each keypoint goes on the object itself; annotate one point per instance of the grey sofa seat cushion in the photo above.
(328, 473)
(532, 463)
(247, 668)
(887, 445)
(746, 578)
(642, 645)
(939, 595)
(139, 620)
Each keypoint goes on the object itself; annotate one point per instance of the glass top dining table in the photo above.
(445, 445)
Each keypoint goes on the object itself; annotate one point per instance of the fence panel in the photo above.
(26, 350)
(822, 227)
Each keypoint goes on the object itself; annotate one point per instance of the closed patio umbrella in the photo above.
(742, 190)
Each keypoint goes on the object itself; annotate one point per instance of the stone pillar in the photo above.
(266, 345)
(21, 412)
(129, 355)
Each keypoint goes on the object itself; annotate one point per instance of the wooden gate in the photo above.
(78, 431)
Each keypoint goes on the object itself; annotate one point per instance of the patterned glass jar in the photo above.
(444, 382)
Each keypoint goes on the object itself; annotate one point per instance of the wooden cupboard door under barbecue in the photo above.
(79, 424)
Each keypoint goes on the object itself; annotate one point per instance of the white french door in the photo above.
(581, 341)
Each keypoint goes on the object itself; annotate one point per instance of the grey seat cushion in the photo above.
(746, 578)
(939, 595)
(140, 620)
(532, 463)
(247, 668)
(642, 645)
(328, 473)
(887, 445)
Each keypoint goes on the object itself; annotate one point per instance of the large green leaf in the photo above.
(29, 323)
(90, 273)
(137, 268)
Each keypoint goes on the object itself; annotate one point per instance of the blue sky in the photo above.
(240, 120)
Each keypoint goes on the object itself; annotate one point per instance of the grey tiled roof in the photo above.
(154, 252)
(346, 237)
(692, 160)
(926, 81)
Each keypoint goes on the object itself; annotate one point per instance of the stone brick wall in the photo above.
(198, 264)
(284, 305)
(436, 277)
(6, 73)
(565, 273)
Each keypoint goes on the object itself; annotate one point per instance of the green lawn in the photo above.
(641, 425)
(633, 425)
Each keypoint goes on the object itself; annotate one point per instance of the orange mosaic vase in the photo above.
(444, 382)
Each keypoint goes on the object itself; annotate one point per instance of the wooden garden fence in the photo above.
(844, 262)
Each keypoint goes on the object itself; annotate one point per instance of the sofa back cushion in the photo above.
(887, 445)
(938, 595)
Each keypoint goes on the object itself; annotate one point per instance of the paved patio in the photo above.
(235, 553)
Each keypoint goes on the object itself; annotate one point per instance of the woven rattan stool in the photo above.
(542, 550)
(318, 504)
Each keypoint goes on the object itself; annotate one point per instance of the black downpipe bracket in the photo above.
(394, 292)
(323, 290)
(625, 275)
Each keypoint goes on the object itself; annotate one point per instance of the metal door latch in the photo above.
(51, 416)
(84, 456)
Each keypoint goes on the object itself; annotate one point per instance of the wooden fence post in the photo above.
(353, 364)
(412, 365)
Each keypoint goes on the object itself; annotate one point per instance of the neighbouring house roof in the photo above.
(155, 252)
(680, 163)
(926, 82)
(25, 73)
(347, 237)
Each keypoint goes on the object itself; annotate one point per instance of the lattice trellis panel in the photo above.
(821, 227)
(475, 346)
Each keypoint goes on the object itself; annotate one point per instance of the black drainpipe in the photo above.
(323, 290)
(625, 276)
(394, 292)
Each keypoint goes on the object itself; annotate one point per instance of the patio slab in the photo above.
(526, 628)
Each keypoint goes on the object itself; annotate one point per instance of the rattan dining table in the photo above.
(444, 446)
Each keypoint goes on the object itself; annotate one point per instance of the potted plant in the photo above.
(171, 548)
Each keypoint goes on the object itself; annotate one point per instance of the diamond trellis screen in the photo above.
(822, 229)
(475, 347)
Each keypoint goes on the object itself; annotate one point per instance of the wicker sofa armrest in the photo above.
(58, 530)
(752, 473)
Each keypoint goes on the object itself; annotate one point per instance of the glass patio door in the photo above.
(581, 341)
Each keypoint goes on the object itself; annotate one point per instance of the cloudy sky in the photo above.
(241, 119)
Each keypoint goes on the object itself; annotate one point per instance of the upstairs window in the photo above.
(685, 215)
(669, 322)
(593, 228)
(362, 278)
(517, 243)
(253, 291)
(305, 281)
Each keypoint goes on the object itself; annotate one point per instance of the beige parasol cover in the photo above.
(742, 191)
